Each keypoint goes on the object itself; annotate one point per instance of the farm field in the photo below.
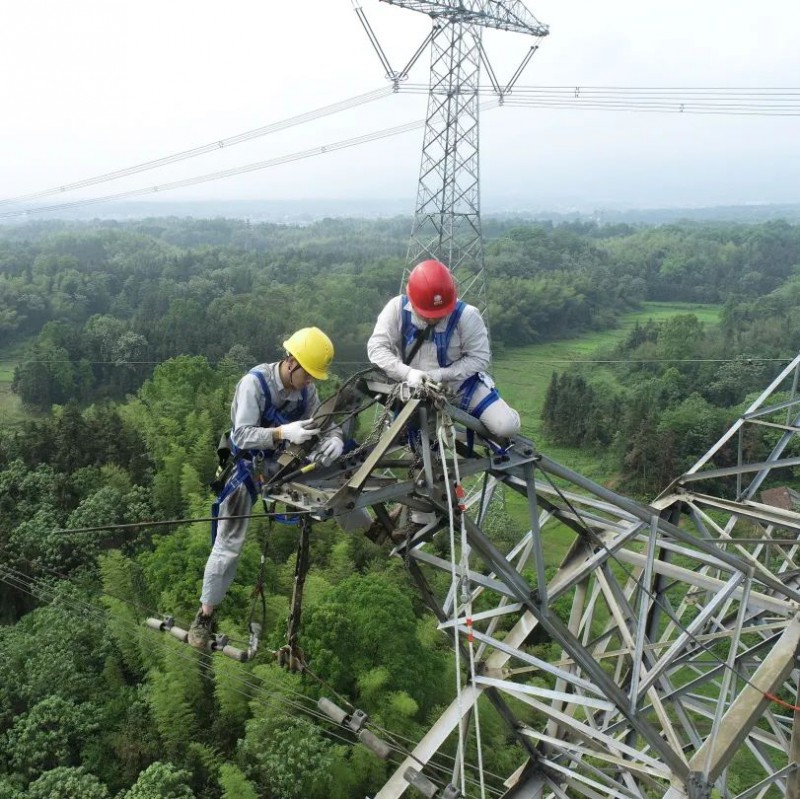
(523, 375)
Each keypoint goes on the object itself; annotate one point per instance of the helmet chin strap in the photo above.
(291, 371)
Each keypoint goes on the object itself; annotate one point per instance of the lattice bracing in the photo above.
(631, 650)
(505, 15)
(447, 222)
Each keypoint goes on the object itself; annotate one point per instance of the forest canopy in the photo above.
(98, 305)
(129, 339)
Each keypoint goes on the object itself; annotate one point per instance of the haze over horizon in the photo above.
(99, 88)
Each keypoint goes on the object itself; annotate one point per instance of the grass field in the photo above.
(523, 375)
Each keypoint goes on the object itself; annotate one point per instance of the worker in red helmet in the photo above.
(429, 332)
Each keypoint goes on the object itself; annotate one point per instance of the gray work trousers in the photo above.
(500, 419)
(224, 558)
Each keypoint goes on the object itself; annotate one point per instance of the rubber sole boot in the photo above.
(200, 631)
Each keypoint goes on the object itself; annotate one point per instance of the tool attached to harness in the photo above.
(227, 463)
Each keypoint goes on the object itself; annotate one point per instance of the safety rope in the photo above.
(778, 701)
(258, 588)
(290, 655)
(446, 425)
(466, 593)
(454, 588)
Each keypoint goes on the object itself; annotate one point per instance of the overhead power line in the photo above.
(274, 127)
(688, 100)
(728, 100)
(656, 107)
(225, 173)
(679, 100)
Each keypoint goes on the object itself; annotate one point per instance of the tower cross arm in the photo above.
(505, 15)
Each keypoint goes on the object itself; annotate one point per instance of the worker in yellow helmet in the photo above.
(274, 403)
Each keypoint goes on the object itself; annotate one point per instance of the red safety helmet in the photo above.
(432, 290)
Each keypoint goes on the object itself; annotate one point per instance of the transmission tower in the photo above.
(447, 222)
(629, 650)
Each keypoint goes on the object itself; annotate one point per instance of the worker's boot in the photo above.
(200, 631)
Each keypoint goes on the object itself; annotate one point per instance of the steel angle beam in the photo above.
(431, 742)
(767, 515)
(732, 471)
(356, 483)
(718, 750)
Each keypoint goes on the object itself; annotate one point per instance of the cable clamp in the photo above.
(355, 722)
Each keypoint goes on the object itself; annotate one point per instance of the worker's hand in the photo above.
(434, 375)
(328, 451)
(414, 377)
(298, 432)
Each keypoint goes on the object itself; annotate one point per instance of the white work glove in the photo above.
(414, 377)
(297, 432)
(328, 451)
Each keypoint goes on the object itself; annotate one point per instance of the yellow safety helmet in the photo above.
(312, 349)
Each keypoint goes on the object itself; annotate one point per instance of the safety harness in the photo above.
(413, 337)
(239, 462)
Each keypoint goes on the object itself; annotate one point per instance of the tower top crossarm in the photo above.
(504, 15)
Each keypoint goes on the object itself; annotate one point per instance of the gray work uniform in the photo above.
(248, 434)
(468, 354)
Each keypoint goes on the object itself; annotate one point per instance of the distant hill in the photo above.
(306, 211)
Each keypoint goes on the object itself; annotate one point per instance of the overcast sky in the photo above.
(90, 86)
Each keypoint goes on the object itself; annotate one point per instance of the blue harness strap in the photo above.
(409, 332)
(442, 341)
(243, 473)
(441, 338)
(272, 416)
(243, 476)
(490, 398)
(468, 389)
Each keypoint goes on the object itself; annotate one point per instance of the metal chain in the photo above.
(402, 392)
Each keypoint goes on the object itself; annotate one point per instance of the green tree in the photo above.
(234, 784)
(67, 783)
(288, 757)
(161, 781)
(48, 736)
(9, 791)
(367, 622)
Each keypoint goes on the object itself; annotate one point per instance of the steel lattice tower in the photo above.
(627, 650)
(447, 223)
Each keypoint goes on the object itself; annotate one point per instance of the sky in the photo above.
(90, 86)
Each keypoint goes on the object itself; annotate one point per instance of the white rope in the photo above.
(440, 429)
(466, 596)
